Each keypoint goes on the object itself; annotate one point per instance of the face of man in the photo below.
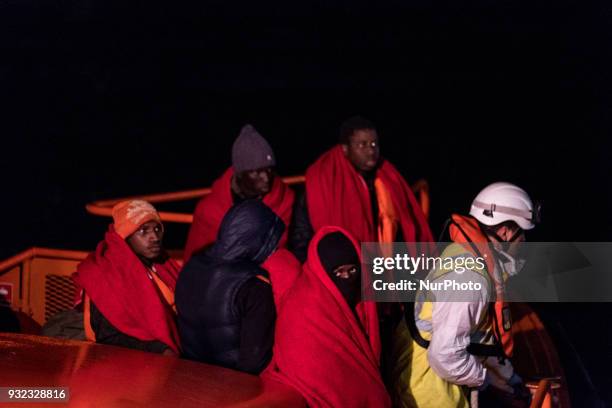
(255, 183)
(362, 150)
(146, 242)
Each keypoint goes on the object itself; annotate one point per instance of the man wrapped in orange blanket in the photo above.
(251, 176)
(129, 283)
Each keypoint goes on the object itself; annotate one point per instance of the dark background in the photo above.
(101, 99)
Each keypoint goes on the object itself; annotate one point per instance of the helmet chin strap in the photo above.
(505, 244)
(513, 238)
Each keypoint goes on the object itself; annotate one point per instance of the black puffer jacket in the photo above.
(218, 294)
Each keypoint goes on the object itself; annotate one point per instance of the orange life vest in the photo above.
(465, 230)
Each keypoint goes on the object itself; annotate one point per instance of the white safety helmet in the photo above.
(500, 202)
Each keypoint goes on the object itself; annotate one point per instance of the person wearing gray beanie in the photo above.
(251, 151)
(251, 176)
(253, 162)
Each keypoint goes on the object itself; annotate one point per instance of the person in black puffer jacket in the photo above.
(225, 306)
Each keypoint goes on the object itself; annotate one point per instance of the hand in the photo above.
(521, 392)
(499, 374)
(514, 394)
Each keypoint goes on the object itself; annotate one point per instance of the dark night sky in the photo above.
(100, 100)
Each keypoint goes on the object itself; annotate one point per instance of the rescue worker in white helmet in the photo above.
(448, 344)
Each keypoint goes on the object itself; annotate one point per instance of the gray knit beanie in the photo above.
(251, 151)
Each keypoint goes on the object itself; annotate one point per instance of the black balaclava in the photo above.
(334, 250)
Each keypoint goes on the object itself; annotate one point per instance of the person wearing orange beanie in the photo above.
(128, 284)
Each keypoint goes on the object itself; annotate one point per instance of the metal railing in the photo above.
(38, 252)
(541, 394)
(104, 207)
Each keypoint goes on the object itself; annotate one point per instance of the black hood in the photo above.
(249, 231)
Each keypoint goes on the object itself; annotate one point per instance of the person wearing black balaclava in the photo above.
(327, 341)
(341, 262)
